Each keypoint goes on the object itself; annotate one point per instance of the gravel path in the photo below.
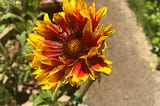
(133, 81)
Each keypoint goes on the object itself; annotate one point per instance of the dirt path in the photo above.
(133, 81)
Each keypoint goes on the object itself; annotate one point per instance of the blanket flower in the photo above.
(68, 48)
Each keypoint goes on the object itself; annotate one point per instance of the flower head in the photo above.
(69, 48)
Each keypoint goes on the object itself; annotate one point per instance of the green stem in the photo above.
(25, 5)
(85, 89)
(59, 95)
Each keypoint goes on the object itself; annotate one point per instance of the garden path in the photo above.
(133, 81)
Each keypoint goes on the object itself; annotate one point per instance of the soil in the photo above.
(134, 80)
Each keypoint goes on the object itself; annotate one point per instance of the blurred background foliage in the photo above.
(17, 19)
(148, 14)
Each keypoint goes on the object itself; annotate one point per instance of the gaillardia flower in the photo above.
(69, 48)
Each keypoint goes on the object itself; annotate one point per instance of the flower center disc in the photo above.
(73, 47)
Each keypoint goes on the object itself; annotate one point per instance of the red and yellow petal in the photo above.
(101, 12)
(92, 52)
(100, 37)
(100, 64)
(51, 49)
(102, 43)
(56, 74)
(94, 42)
(35, 40)
(67, 7)
(102, 46)
(44, 27)
(109, 31)
(30, 55)
(50, 61)
(72, 11)
(49, 31)
(93, 9)
(59, 19)
(38, 59)
(86, 14)
(73, 6)
(46, 18)
(87, 32)
(41, 74)
(49, 77)
(51, 86)
(82, 5)
(52, 53)
(80, 72)
(98, 76)
(36, 62)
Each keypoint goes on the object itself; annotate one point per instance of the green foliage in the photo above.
(14, 69)
(148, 13)
(5, 97)
(11, 16)
(45, 97)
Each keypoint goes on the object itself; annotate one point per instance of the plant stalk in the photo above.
(85, 89)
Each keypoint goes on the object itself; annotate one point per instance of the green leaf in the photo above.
(19, 7)
(156, 49)
(38, 100)
(156, 40)
(149, 5)
(2, 67)
(12, 16)
(26, 75)
(40, 14)
(31, 14)
(2, 27)
(45, 95)
(158, 33)
(22, 37)
(8, 43)
(1, 6)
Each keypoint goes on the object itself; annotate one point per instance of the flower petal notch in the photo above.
(69, 48)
